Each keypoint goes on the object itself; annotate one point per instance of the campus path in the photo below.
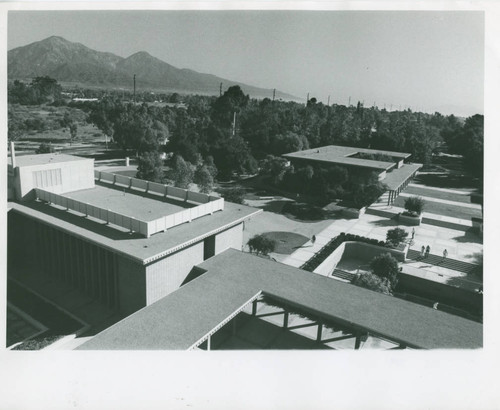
(270, 221)
(461, 246)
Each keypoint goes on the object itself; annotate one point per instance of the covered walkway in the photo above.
(232, 280)
(398, 179)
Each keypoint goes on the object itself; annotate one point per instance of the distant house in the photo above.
(77, 99)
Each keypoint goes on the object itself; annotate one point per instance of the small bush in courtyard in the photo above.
(261, 245)
(395, 236)
(385, 266)
(373, 282)
(414, 205)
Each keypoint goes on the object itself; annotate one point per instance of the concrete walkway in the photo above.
(309, 249)
(442, 275)
(390, 211)
(461, 246)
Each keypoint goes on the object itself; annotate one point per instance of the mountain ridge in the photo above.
(72, 62)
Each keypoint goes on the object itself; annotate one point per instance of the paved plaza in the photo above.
(460, 245)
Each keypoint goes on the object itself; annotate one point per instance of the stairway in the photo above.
(342, 274)
(436, 260)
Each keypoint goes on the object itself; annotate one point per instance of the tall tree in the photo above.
(150, 167)
(181, 173)
(204, 179)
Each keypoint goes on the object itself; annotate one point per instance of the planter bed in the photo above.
(333, 244)
(410, 220)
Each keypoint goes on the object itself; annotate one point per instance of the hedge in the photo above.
(333, 244)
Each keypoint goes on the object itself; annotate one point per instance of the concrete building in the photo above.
(58, 173)
(395, 174)
(123, 241)
(232, 281)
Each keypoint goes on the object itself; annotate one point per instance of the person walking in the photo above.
(427, 251)
(422, 251)
(445, 254)
(313, 239)
(413, 233)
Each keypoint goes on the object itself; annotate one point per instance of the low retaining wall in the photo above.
(430, 219)
(443, 292)
(365, 252)
(462, 226)
(410, 220)
(353, 212)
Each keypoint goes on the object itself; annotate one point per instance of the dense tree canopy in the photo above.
(150, 167)
(264, 127)
(41, 90)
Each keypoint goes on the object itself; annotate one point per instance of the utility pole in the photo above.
(234, 123)
(134, 88)
(220, 90)
(274, 94)
(328, 100)
(307, 97)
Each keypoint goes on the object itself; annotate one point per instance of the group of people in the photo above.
(424, 252)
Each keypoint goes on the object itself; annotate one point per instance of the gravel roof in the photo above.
(233, 278)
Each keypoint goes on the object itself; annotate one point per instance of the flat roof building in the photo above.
(232, 280)
(123, 241)
(395, 174)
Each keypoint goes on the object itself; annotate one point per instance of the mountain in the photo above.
(70, 62)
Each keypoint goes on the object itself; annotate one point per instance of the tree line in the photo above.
(238, 132)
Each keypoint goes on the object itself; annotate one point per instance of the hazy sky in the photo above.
(431, 61)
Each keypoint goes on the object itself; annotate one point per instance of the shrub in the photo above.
(385, 266)
(373, 282)
(45, 148)
(414, 205)
(395, 236)
(261, 245)
(235, 195)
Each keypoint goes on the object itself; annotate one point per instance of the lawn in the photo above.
(272, 222)
(448, 196)
(286, 242)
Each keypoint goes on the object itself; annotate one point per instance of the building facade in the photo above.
(123, 269)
